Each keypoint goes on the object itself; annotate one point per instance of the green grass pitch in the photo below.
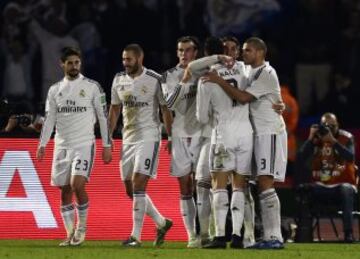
(41, 249)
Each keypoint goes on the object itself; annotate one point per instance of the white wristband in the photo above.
(169, 138)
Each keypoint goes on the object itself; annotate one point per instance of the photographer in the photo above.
(333, 171)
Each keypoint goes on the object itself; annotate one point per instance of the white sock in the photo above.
(204, 208)
(237, 210)
(153, 213)
(188, 212)
(82, 212)
(221, 207)
(139, 208)
(270, 214)
(249, 219)
(68, 217)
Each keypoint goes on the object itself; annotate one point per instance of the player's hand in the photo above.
(187, 75)
(212, 77)
(168, 146)
(40, 153)
(106, 155)
(279, 107)
(226, 61)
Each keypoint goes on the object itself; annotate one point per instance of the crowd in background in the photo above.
(314, 45)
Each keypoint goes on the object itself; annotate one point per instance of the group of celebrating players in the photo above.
(224, 124)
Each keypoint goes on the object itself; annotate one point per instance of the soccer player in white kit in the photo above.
(270, 144)
(189, 138)
(137, 92)
(72, 105)
(232, 49)
(231, 144)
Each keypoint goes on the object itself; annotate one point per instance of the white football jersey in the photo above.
(140, 98)
(264, 86)
(182, 100)
(230, 118)
(73, 106)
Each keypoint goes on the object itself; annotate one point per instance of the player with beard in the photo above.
(72, 105)
(137, 93)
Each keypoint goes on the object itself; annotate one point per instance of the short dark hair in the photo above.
(231, 38)
(69, 51)
(213, 45)
(192, 39)
(136, 48)
(258, 43)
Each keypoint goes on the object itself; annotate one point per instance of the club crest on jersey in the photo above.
(82, 93)
(143, 89)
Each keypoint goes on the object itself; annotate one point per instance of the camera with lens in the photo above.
(323, 129)
(23, 120)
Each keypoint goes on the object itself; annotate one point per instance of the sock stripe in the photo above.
(82, 206)
(186, 197)
(67, 207)
(204, 185)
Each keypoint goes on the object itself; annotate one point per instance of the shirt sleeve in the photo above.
(115, 100)
(101, 113)
(201, 65)
(203, 103)
(160, 94)
(49, 120)
(173, 91)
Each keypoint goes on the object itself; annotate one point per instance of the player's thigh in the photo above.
(61, 167)
(127, 161)
(271, 155)
(202, 172)
(83, 161)
(146, 158)
(185, 154)
(222, 159)
(243, 154)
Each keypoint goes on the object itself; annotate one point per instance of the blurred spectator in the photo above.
(239, 16)
(88, 37)
(316, 31)
(17, 72)
(333, 180)
(51, 34)
(291, 117)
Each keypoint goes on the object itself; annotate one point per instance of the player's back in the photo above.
(230, 118)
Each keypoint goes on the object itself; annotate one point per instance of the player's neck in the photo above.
(258, 64)
(137, 73)
(72, 78)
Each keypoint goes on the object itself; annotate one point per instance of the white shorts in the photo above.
(202, 173)
(69, 162)
(185, 155)
(139, 158)
(236, 158)
(270, 153)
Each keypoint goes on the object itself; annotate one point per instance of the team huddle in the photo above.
(224, 125)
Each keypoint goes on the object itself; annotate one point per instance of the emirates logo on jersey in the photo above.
(82, 93)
